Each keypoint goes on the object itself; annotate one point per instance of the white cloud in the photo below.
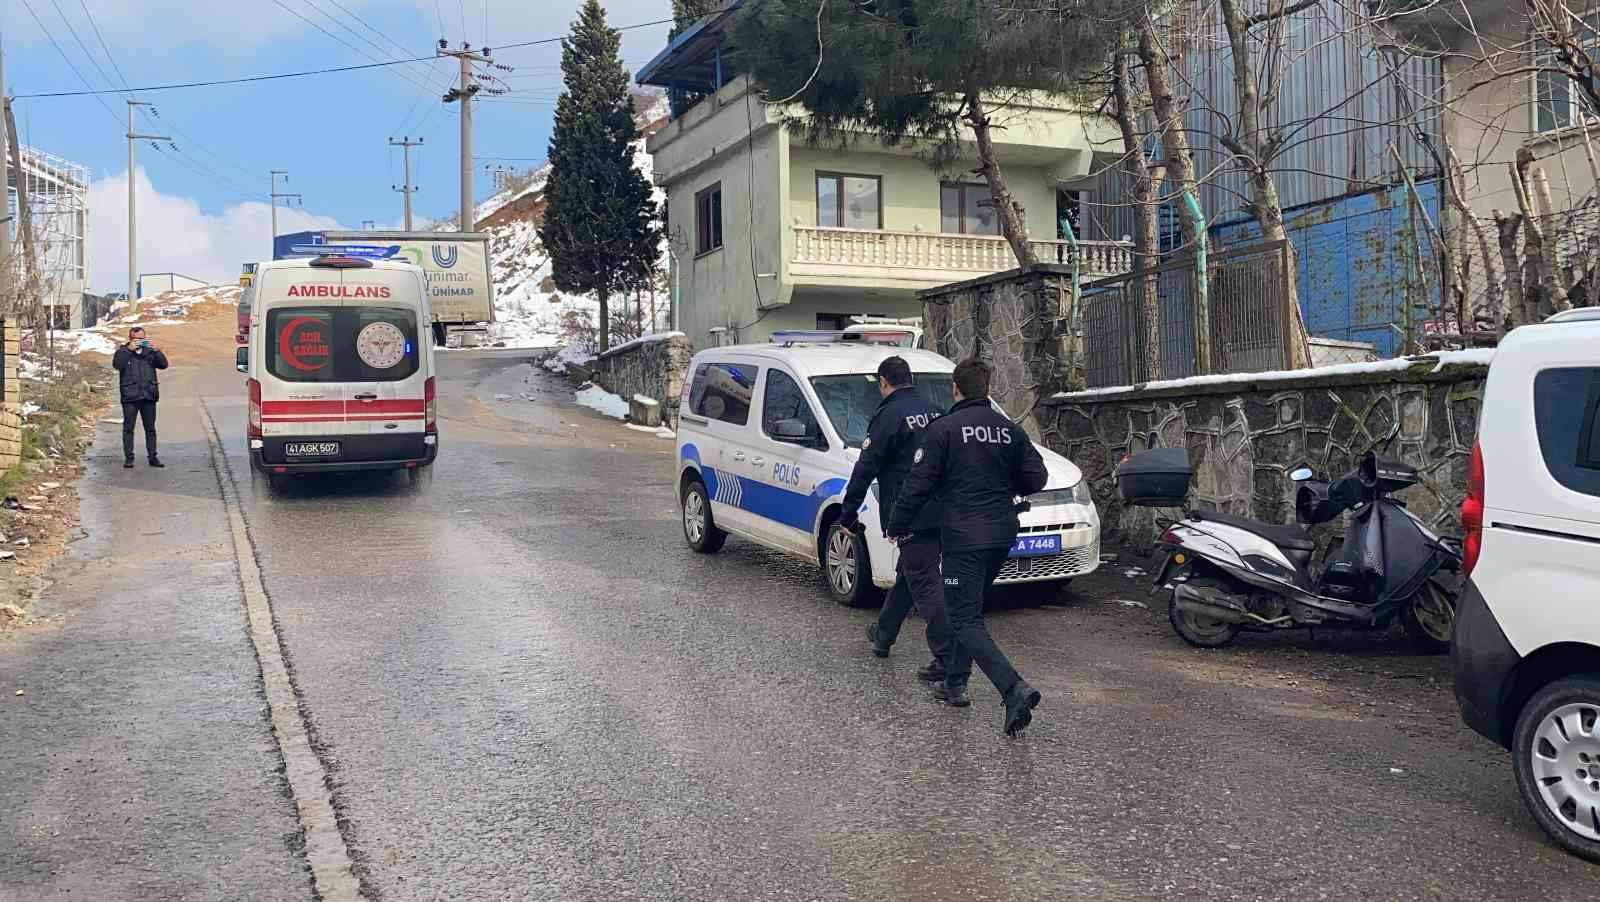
(175, 235)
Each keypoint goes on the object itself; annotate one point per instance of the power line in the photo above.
(81, 45)
(102, 39)
(145, 89)
(73, 66)
(301, 16)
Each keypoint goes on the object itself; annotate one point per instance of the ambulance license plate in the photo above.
(1033, 546)
(311, 449)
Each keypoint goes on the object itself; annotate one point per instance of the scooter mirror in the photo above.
(1302, 474)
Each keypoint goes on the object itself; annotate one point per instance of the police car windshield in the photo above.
(850, 401)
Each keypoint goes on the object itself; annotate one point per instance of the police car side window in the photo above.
(722, 391)
(1569, 433)
(785, 400)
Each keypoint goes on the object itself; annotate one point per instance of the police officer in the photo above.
(892, 440)
(975, 462)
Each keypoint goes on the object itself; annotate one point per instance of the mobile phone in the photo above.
(144, 343)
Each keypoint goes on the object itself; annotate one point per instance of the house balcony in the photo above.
(918, 260)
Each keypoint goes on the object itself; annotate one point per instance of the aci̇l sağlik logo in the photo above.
(444, 256)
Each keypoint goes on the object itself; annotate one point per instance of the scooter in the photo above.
(1229, 573)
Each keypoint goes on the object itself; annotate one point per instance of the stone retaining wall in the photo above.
(10, 396)
(1247, 433)
(1011, 321)
(654, 366)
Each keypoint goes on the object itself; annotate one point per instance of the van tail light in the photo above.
(1472, 512)
(430, 407)
(253, 430)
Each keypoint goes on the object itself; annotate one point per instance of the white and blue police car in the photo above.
(768, 435)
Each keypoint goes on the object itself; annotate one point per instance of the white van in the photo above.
(768, 435)
(338, 378)
(1527, 629)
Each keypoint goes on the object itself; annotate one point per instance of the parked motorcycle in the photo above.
(1229, 573)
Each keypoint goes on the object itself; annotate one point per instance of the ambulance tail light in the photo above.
(430, 407)
(253, 428)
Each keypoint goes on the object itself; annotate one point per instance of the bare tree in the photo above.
(1145, 180)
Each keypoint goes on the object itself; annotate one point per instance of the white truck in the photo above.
(460, 290)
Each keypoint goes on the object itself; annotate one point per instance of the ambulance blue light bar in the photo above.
(367, 251)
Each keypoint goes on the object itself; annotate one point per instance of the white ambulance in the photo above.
(340, 372)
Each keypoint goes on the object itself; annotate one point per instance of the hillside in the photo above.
(529, 311)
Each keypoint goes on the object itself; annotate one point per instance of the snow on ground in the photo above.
(85, 341)
(657, 431)
(601, 401)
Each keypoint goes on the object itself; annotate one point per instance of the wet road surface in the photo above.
(523, 685)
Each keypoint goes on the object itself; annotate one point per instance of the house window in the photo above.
(708, 220)
(849, 201)
(1557, 101)
(967, 209)
(833, 322)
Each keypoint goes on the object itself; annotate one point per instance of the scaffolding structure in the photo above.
(58, 202)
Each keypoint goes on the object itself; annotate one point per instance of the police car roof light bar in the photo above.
(789, 337)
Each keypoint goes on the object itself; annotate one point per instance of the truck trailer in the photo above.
(460, 291)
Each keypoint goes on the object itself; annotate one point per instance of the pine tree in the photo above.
(688, 12)
(599, 228)
(930, 71)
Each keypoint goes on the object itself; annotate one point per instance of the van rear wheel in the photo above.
(1555, 750)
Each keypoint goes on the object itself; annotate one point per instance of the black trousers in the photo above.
(918, 583)
(967, 578)
(143, 410)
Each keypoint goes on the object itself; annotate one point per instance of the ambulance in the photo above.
(340, 374)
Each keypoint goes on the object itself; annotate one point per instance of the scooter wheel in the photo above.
(1199, 630)
(1429, 617)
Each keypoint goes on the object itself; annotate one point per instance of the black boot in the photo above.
(156, 462)
(954, 696)
(127, 463)
(1020, 702)
(879, 647)
(931, 672)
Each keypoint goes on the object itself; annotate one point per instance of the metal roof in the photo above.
(689, 60)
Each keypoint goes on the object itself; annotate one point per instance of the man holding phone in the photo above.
(137, 362)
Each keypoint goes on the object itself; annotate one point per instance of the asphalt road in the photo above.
(523, 685)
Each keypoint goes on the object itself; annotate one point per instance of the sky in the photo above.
(203, 207)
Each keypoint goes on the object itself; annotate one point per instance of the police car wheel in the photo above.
(847, 569)
(698, 529)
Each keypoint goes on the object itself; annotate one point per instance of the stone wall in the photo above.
(1011, 321)
(10, 396)
(1246, 433)
(654, 366)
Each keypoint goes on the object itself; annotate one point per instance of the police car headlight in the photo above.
(1077, 494)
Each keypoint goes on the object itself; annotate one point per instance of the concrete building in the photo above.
(58, 198)
(771, 232)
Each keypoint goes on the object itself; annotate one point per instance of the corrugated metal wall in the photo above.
(1364, 267)
(1339, 109)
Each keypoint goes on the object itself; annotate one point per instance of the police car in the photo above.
(768, 435)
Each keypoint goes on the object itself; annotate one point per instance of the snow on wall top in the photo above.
(1441, 359)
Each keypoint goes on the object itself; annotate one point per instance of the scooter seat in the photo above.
(1290, 538)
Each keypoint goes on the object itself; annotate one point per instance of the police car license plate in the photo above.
(1033, 546)
(311, 449)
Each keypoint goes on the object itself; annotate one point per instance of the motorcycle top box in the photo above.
(1156, 478)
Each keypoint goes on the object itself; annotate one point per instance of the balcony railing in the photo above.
(938, 252)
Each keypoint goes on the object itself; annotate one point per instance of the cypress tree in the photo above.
(599, 228)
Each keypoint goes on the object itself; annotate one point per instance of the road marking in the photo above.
(332, 875)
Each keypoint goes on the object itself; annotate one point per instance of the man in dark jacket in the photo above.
(975, 462)
(136, 362)
(892, 439)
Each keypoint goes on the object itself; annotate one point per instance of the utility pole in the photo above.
(133, 228)
(406, 143)
(275, 195)
(5, 180)
(464, 93)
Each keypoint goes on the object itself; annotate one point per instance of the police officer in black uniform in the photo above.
(892, 440)
(975, 462)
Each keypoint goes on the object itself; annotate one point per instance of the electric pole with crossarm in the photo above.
(464, 92)
(408, 190)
